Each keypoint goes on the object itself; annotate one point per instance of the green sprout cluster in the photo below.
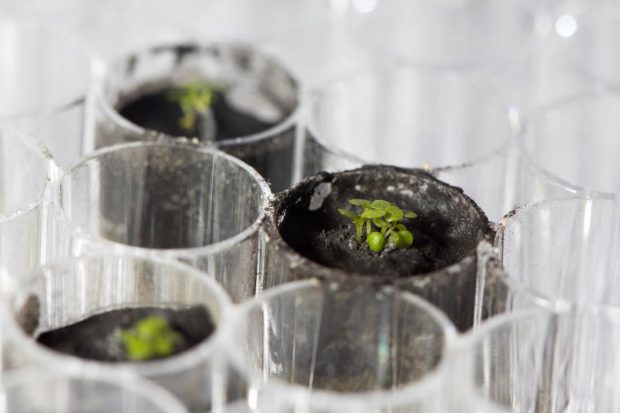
(149, 338)
(382, 222)
(194, 99)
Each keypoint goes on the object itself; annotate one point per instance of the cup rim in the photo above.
(183, 361)
(288, 122)
(313, 97)
(317, 398)
(146, 390)
(214, 248)
(53, 172)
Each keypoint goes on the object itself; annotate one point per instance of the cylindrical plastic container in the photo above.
(253, 109)
(326, 347)
(540, 361)
(174, 200)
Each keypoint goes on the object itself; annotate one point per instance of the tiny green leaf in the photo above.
(345, 212)
(409, 214)
(381, 223)
(359, 202)
(395, 214)
(372, 213)
(380, 204)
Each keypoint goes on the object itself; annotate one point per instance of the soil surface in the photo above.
(448, 227)
(96, 337)
(154, 110)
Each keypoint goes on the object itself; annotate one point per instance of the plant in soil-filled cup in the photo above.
(229, 95)
(155, 318)
(380, 224)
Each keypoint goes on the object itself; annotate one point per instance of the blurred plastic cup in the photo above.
(32, 391)
(26, 211)
(565, 250)
(479, 36)
(541, 361)
(326, 347)
(173, 200)
(44, 78)
(66, 292)
(576, 139)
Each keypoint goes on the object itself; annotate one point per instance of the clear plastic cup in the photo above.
(481, 36)
(44, 78)
(26, 212)
(34, 391)
(405, 116)
(174, 200)
(256, 82)
(592, 47)
(501, 184)
(64, 293)
(575, 140)
(331, 347)
(540, 361)
(416, 117)
(564, 250)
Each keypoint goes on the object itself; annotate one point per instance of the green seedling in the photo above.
(381, 220)
(149, 338)
(194, 99)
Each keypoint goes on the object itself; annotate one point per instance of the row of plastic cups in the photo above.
(293, 348)
(175, 200)
(208, 209)
(77, 105)
(441, 118)
(466, 133)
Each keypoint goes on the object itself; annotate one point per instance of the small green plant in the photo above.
(382, 222)
(149, 338)
(194, 99)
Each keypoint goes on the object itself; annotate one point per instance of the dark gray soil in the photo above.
(96, 338)
(335, 244)
(153, 110)
(448, 228)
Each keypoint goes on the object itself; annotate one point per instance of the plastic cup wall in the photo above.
(27, 172)
(44, 78)
(54, 392)
(540, 361)
(300, 352)
(177, 201)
